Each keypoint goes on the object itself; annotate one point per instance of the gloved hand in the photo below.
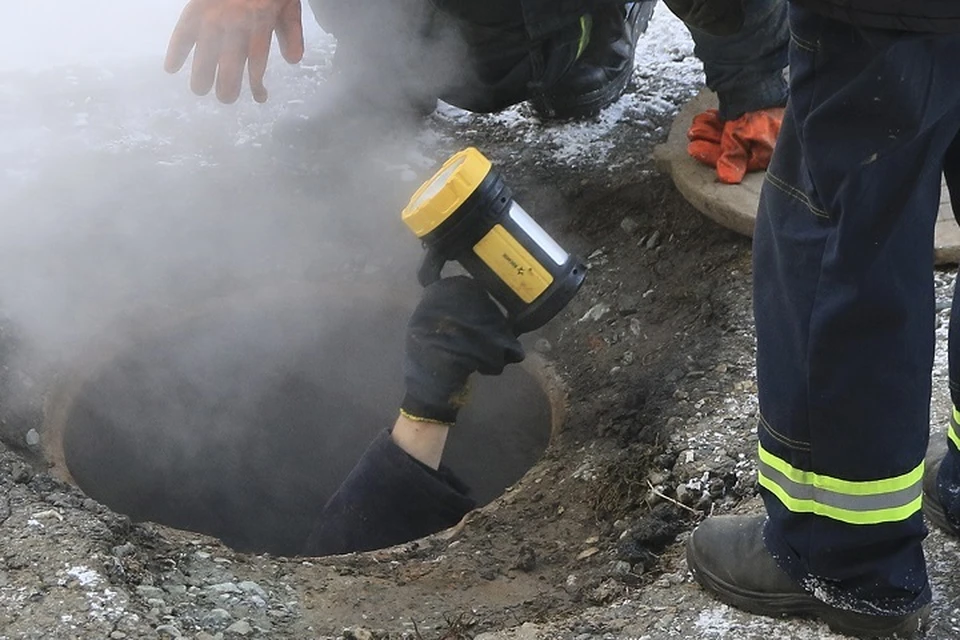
(456, 329)
(735, 147)
(229, 34)
(716, 17)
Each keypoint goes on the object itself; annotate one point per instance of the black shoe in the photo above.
(932, 507)
(728, 557)
(600, 76)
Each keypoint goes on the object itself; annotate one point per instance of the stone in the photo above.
(526, 559)
(216, 618)
(252, 588)
(542, 345)
(629, 303)
(653, 240)
(240, 628)
(168, 631)
(224, 587)
(629, 225)
(147, 591)
(596, 312)
(32, 438)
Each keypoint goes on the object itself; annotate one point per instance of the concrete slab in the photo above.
(735, 206)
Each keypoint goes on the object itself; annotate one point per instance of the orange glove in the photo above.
(735, 147)
(229, 34)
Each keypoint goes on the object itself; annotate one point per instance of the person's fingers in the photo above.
(205, 59)
(257, 62)
(183, 38)
(233, 58)
(290, 32)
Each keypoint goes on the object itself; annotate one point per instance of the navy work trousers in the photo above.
(845, 309)
(388, 498)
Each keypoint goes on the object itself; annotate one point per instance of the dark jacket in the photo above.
(924, 16)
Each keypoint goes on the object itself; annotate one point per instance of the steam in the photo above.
(123, 194)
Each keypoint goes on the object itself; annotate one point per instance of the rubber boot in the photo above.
(728, 557)
(602, 72)
(932, 503)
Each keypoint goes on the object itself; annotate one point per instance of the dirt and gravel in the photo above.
(656, 355)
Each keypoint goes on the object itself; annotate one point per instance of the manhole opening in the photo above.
(240, 423)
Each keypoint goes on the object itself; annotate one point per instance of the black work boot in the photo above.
(728, 557)
(932, 506)
(600, 75)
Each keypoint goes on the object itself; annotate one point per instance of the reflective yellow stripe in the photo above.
(586, 26)
(952, 431)
(848, 487)
(878, 516)
(854, 502)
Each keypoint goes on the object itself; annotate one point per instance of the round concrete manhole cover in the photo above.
(735, 206)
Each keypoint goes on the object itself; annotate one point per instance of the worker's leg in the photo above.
(746, 69)
(845, 309)
(948, 480)
(388, 498)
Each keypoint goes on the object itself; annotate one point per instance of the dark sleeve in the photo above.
(389, 498)
(746, 69)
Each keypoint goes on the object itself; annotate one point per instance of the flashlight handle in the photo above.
(430, 267)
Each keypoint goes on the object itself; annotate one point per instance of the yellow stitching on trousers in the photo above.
(796, 194)
(782, 439)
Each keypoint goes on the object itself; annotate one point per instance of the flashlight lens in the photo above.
(538, 235)
(437, 183)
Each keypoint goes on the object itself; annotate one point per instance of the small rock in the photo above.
(543, 346)
(117, 635)
(526, 559)
(252, 588)
(216, 618)
(627, 358)
(357, 633)
(629, 304)
(596, 312)
(20, 473)
(224, 587)
(33, 437)
(636, 328)
(147, 592)
(653, 240)
(587, 553)
(168, 631)
(240, 628)
(629, 225)
(620, 568)
(203, 635)
(124, 550)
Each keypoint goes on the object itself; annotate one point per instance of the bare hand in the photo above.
(229, 34)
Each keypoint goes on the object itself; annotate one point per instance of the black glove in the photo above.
(716, 17)
(455, 330)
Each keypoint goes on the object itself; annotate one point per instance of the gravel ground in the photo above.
(116, 184)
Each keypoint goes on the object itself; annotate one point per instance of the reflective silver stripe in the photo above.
(847, 502)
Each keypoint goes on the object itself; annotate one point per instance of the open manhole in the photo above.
(241, 421)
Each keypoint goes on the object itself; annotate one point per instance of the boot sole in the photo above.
(780, 605)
